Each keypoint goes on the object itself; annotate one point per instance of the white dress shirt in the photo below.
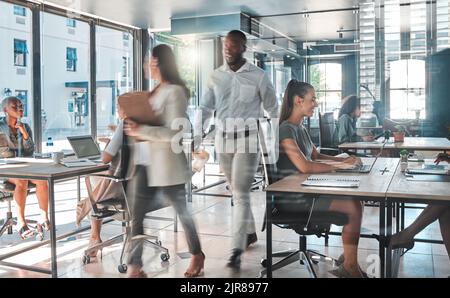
(241, 94)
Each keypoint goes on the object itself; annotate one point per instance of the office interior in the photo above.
(68, 61)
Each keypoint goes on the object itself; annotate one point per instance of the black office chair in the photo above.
(327, 126)
(305, 223)
(118, 209)
(6, 196)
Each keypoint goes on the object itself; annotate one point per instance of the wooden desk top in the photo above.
(402, 188)
(373, 184)
(40, 169)
(438, 144)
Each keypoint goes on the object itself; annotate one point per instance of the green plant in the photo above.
(404, 152)
(400, 128)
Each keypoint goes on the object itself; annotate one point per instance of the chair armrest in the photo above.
(109, 177)
(331, 151)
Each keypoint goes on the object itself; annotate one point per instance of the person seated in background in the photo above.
(346, 127)
(117, 153)
(433, 212)
(14, 130)
(298, 154)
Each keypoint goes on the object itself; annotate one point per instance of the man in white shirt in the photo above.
(238, 91)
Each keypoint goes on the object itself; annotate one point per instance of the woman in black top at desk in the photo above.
(348, 114)
(298, 154)
(15, 130)
(405, 238)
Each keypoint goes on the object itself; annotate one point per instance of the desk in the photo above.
(41, 169)
(373, 185)
(402, 190)
(426, 144)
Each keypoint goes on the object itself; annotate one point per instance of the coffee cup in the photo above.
(57, 156)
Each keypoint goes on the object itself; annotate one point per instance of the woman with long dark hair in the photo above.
(348, 114)
(298, 154)
(164, 173)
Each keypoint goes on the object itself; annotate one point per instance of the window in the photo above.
(65, 105)
(71, 59)
(71, 23)
(407, 89)
(114, 74)
(327, 81)
(20, 52)
(23, 96)
(19, 11)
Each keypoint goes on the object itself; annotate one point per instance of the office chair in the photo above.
(118, 209)
(7, 195)
(304, 223)
(327, 127)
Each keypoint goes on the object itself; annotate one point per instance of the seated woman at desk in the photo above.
(346, 127)
(116, 153)
(14, 130)
(298, 154)
(405, 238)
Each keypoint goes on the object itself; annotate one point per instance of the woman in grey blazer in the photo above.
(160, 164)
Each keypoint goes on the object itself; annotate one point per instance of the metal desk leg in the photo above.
(397, 219)
(78, 189)
(269, 235)
(381, 240)
(388, 237)
(403, 216)
(51, 203)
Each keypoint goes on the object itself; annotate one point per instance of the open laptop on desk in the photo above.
(366, 167)
(84, 147)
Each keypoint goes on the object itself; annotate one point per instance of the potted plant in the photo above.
(399, 135)
(404, 159)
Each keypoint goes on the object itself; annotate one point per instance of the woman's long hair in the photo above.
(168, 66)
(350, 104)
(293, 88)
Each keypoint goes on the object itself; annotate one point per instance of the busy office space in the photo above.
(225, 139)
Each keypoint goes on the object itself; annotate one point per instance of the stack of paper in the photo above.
(332, 181)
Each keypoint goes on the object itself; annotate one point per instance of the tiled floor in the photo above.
(213, 218)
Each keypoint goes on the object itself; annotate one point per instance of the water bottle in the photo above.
(49, 145)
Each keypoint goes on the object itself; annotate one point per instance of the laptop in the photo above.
(85, 147)
(364, 168)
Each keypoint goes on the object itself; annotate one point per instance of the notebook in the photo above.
(78, 163)
(332, 181)
(432, 169)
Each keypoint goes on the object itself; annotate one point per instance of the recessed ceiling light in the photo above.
(273, 50)
(288, 56)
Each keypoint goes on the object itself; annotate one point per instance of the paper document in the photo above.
(78, 163)
(429, 169)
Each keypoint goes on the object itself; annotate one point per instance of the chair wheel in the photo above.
(165, 257)
(86, 259)
(122, 268)
(264, 263)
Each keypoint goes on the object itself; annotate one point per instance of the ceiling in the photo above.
(156, 14)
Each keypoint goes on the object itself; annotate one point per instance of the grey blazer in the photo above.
(165, 165)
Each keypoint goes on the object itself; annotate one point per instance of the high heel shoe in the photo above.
(407, 245)
(199, 271)
(92, 253)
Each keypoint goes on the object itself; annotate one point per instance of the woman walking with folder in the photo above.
(163, 172)
(298, 154)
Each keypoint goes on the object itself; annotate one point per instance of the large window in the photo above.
(20, 52)
(407, 89)
(114, 74)
(327, 81)
(15, 60)
(65, 86)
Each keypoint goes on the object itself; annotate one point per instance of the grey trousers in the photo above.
(144, 199)
(240, 170)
